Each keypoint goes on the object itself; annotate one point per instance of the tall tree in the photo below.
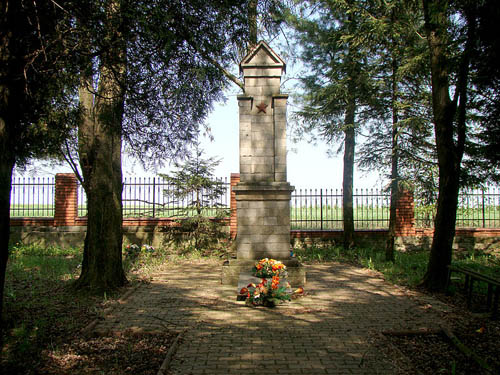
(338, 90)
(450, 32)
(194, 182)
(149, 75)
(399, 138)
(35, 102)
(99, 150)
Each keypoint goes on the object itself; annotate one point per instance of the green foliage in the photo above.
(268, 293)
(19, 249)
(483, 161)
(335, 49)
(37, 97)
(407, 269)
(177, 53)
(485, 263)
(195, 183)
(41, 306)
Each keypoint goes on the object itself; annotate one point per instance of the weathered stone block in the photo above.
(249, 221)
(280, 168)
(262, 168)
(261, 118)
(254, 81)
(263, 73)
(263, 151)
(263, 203)
(280, 143)
(262, 136)
(263, 144)
(279, 176)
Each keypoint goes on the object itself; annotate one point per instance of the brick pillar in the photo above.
(66, 200)
(233, 220)
(405, 214)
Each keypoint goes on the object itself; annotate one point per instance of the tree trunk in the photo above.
(450, 139)
(6, 166)
(10, 97)
(252, 23)
(99, 143)
(389, 248)
(100, 160)
(347, 198)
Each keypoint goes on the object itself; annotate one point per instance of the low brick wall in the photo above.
(465, 239)
(157, 234)
(67, 229)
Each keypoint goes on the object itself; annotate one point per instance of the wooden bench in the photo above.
(472, 276)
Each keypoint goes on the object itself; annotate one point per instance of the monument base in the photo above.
(232, 269)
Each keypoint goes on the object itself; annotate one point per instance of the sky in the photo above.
(308, 164)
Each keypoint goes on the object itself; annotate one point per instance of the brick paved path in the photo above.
(329, 331)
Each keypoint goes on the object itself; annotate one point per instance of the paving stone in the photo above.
(325, 332)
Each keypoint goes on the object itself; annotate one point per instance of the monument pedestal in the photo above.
(263, 216)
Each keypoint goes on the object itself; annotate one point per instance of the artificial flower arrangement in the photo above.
(267, 293)
(267, 268)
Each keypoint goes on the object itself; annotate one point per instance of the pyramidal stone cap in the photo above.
(262, 61)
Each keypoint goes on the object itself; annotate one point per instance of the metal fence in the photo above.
(477, 208)
(153, 197)
(313, 209)
(321, 209)
(32, 197)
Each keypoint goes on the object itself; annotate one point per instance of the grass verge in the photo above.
(408, 268)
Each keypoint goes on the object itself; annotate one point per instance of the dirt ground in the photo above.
(435, 353)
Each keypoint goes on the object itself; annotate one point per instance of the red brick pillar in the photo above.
(66, 200)
(405, 214)
(233, 219)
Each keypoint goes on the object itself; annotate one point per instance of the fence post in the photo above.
(484, 213)
(405, 214)
(233, 219)
(321, 206)
(66, 200)
(154, 196)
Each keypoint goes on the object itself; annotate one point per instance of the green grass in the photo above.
(31, 210)
(40, 308)
(364, 217)
(409, 267)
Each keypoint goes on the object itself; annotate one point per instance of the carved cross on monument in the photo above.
(263, 194)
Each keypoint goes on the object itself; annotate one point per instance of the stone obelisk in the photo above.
(263, 193)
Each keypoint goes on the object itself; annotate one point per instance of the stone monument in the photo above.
(263, 193)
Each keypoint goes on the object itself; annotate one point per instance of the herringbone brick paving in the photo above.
(328, 331)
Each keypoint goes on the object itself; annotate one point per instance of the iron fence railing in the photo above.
(321, 209)
(310, 209)
(32, 197)
(153, 197)
(477, 208)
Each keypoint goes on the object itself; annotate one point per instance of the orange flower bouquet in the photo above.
(267, 268)
(267, 293)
